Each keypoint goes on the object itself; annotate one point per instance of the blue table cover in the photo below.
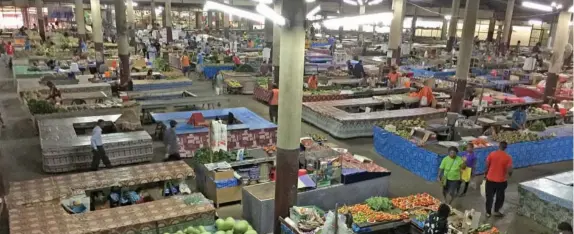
(444, 74)
(209, 71)
(248, 119)
(425, 163)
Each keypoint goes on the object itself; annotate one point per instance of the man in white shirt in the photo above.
(98, 147)
(266, 54)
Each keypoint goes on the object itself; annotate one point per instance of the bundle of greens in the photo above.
(380, 203)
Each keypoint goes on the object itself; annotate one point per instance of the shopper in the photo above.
(470, 161)
(236, 60)
(218, 83)
(54, 96)
(185, 64)
(425, 94)
(437, 222)
(498, 169)
(199, 63)
(358, 70)
(519, 118)
(274, 104)
(10, 53)
(565, 228)
(98, 147)
(170, 141)
(450, 174)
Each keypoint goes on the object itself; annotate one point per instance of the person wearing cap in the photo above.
(170, 141)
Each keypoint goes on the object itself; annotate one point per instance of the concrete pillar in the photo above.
(452, 27)
(340, 27)
(275, 52)
(80, 21)
(168, 21)
(131, 22)
(444, 29)
(557, 59)
(210, 19)
(491, 25)
(217, 20)
(97, 32)
(268, 33)
(41, 23)
(123, 45)
(361, 36)
(153, 16)
(414, 25)
(508, 22)
(198, 20)
(553, 28)
(466, 44)
(250, 26)
(290, 101)
(163, 18)
(396, 32)
(226, 27)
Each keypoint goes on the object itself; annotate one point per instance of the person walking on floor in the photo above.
(274, 104)
(170, 141)
(449, 174)
(98, 147)
(498, 169)
(470, 161)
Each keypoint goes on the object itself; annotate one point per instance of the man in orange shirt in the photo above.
(312, 82)
(425, 94)
(274, 104)
(393, 77)
(498, 169)
(185, 64)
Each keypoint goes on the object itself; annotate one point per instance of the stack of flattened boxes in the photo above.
(63, 150)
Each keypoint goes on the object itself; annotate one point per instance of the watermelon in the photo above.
(250, 232)
(228, 224)
(219, 224)
(240, 227)
(201, 229)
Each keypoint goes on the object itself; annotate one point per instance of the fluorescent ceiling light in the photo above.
(553, 4)
(534, 22)
(571, 10)
(264, 1)
(559, 6)
(350, 2)
(374, 2)
(313, 12)
(270, 14)
(448, 17)
(360, 2)
(359, 20)
(210, 5)
(309, 0)
(537, 6)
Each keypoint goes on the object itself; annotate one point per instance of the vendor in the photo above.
(437, 222)
(199, 65)
(358, 70)
(519, 118)
(425, 94)
(312, 82)
(55, 96)
(236, 60)
(393, 77)
(265, 68)
(149, 75)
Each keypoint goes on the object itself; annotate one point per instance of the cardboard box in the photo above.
(220, 175)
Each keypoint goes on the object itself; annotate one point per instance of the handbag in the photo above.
(466, 174)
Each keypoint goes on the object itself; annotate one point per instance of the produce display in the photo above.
(263, 82)
(233, 83)
(41, 107)
(307, 218)
(270, 149)
(537, 126)
(415, 201)
(537, 111)
(480, 143)
(402, 127)
(337, 73)
(227, 226)
(161, 65)
(380, 203)
(318, 137)
(206, 155)
(245, 68)
(512, 137)
(362, 213)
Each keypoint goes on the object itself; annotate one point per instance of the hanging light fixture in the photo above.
(362, 2)
(270, 14)
(313, 12)
(211, 5)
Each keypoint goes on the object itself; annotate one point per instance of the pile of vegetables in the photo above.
(485, 229)
(380, 203)
(480, 143)
(537, 126)
(537, 111)
(263, 82)
(245, 68)
(206, 155)
(362, 213)
(405, 125)
(512, 137)
(317, 137)
(41, 107)
(233, 83)
(417, 200)
(161, 65)
(227, 226)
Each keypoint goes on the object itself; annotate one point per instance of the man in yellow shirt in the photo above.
(185, 64)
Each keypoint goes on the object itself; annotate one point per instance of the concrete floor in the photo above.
(20, 160)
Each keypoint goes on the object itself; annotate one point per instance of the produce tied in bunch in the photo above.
(263, 82)
(512, 137)
(380, 203)
(233, 83)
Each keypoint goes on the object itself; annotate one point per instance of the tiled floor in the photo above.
(20, 159)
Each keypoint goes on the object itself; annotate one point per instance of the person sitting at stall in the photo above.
(358, 70)
(55, 96)
(312, 82)
(425, 94)
(149, 75)
(437, 222)
(519, 118)
(349, 67)
(265, 68)
(236, 60)
(393, 77)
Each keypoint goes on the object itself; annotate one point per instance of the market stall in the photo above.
(210, 69)
(66, 146)
(351, 118)
(76, 203)
(143, 85)
(244, 81)
(547, 200)
(248, 130)
(527, 149)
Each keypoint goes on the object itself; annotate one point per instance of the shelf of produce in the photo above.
(547, 200)
(246, 80)
(342, 124)
(252, 131)
(401, 151)
(64, 150)
(258, 200)
(262, 94)
(28, 199)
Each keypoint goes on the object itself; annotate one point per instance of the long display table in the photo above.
(547, 200)
(259, 200)
(330, 117)
(34, 206)
(251, 130)
(263, 94)
(425, 162)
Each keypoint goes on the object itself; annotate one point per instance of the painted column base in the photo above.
(458, 96)
(288, 164)
(100, 59)
(276, 74)
(550, 88)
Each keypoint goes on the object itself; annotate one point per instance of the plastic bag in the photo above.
(329, 227)
(483, 189)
